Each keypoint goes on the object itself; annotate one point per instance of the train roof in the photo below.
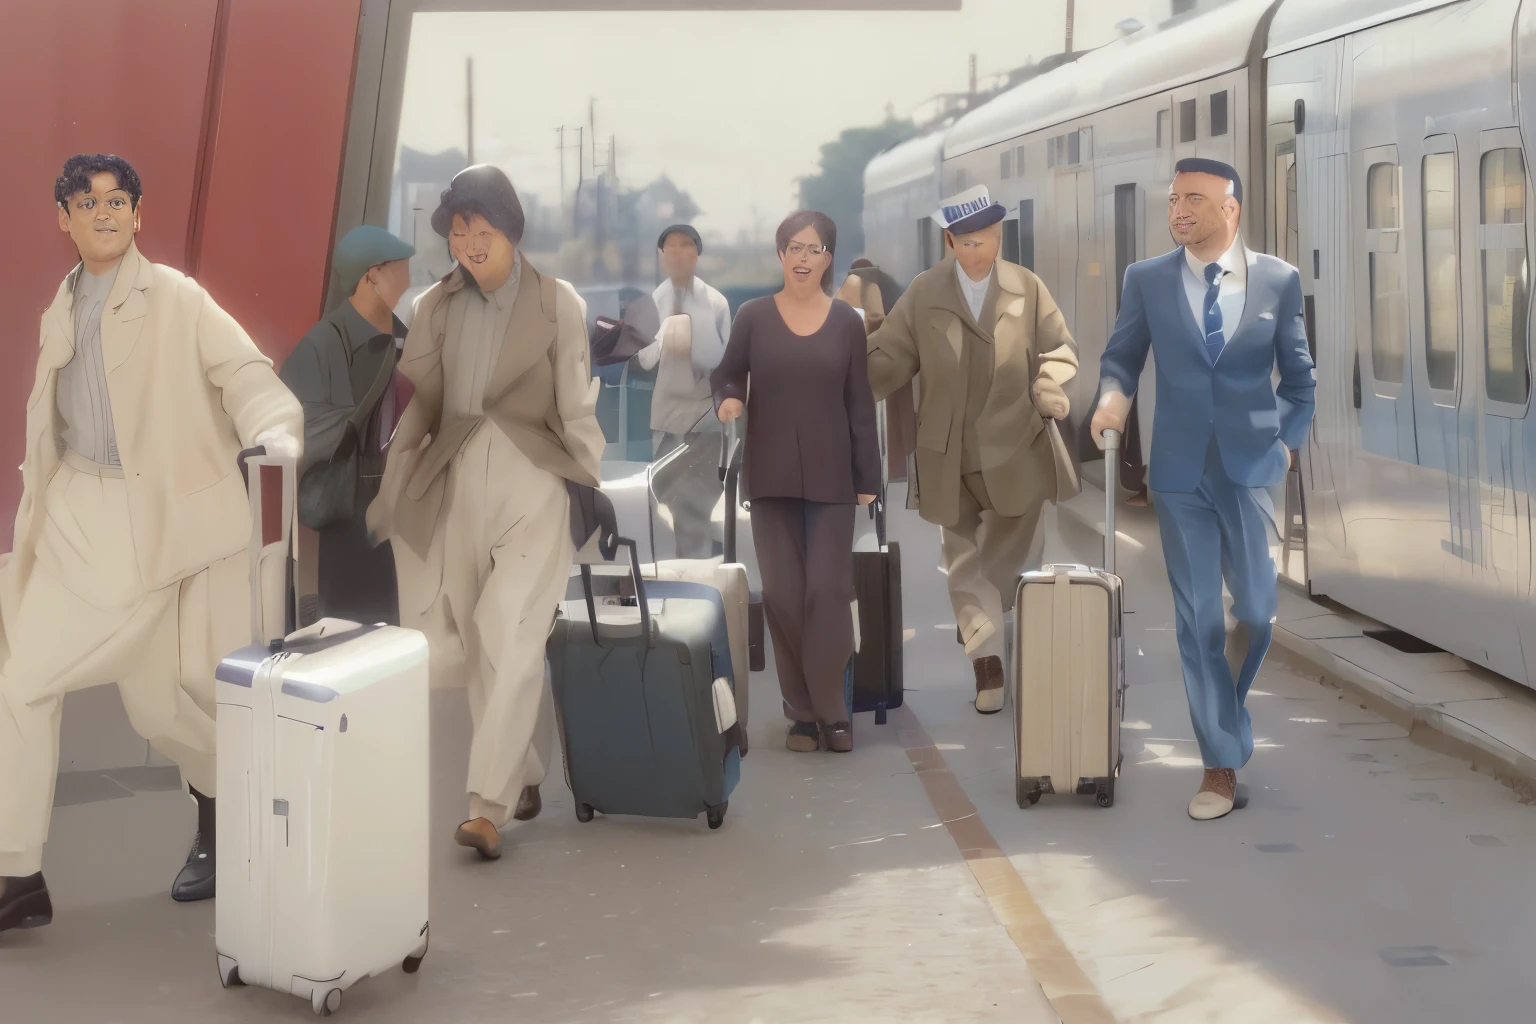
(1148, 61)
(1301, 23)
(904, 163)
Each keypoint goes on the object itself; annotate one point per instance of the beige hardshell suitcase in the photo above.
(1069, 660)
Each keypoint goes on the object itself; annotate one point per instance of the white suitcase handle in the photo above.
(273, 491)
(1111, 492)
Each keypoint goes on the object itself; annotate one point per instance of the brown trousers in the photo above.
(805, 555)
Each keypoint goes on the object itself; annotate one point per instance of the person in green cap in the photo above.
(343, 373)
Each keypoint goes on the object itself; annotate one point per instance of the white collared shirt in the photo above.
(975, 292)
(1234, 286)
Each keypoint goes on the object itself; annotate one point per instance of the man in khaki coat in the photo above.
(129, 560)
(994, 353)
(474, 497)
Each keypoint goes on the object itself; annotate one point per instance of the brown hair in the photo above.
(825, 230)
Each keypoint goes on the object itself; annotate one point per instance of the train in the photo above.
(1381, 145)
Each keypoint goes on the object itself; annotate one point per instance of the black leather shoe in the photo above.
(528, 805)
(24, 902)
(195, 880)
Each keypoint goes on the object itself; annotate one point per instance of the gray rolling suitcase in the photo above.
(644, 690)
(1069, 660)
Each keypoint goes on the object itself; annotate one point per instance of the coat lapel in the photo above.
(530, 332)
(1008, 300)
(122, 318)
(1258, 297)
(1180, 299)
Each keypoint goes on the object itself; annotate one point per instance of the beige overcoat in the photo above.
(189, 390)
(541, 393)
(927, 331)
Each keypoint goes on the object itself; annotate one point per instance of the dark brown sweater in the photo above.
(810, 414)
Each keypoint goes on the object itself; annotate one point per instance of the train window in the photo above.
(1027, 233)
(1125, 236)
(1442, 332)
(1388, 303)
(1219, 113)
(1011, 241)
(1018, 162)
(1162, 128)
(1007, 163)
(1186, 120)
(1505, 288)
(1074, 147)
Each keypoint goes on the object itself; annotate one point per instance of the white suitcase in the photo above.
(1069, 659)
(322, 784)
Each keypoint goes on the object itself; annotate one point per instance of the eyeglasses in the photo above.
(796, 249)
(113, 202)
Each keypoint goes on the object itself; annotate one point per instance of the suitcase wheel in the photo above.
(412, 963)
(717, 814)
(583, 812)
(1106, 795)
(1027, 792)
(229, 972)
(326, 1002)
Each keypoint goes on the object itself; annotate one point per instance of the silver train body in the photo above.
(1382, 151)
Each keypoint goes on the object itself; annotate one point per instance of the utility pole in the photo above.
(1070, 5)
(469, 103)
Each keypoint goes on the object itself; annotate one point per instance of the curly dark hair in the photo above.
(825, 230)
(78, 170)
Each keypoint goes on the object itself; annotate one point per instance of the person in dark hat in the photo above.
(994, 353)
(474, 498)
(343, 371)
(681, 408)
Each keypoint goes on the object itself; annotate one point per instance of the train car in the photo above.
(1382, 150)
(901, 190)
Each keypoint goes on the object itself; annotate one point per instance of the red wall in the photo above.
(133, 78)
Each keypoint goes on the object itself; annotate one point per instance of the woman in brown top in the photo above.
(811, 453)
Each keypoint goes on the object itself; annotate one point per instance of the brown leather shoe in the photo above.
(803, 738)
(528, 805)
(838, 737)
(481, 836)
(989, 684)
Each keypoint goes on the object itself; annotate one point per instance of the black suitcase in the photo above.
(875, 672)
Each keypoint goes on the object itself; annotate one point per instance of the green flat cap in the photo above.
(363, 247)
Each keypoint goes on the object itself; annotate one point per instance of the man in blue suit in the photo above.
(1220, 319)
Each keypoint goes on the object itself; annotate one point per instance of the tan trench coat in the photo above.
(189, 390)
(926, 332)
(541, 392)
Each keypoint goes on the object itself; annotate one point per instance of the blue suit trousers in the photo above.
(1220, 532)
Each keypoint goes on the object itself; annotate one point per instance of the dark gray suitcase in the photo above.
(644, 693)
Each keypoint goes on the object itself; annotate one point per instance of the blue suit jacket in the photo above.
(1253, 421)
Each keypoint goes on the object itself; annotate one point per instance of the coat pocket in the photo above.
(933, 428)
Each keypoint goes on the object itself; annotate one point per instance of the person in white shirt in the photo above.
(684, 355)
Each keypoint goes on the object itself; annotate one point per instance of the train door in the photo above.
(1090, 328)
(1500, 404)
(1321, 193)
(1383, 389)
(1447, 453)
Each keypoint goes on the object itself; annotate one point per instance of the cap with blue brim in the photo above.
(968, 211)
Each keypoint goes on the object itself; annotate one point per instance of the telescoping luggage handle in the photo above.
(608, 543)
(1111, 491)
(273, 495)
(730, 476)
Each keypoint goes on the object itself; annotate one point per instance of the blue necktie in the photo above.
(1214, 340)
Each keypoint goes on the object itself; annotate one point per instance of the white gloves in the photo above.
(280, 443)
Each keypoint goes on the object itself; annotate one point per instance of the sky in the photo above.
(734, 106)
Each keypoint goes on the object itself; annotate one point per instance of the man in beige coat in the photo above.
(129, 559)
(994, 353)
(474, 497)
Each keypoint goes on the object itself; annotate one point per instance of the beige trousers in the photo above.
(486, 597)
(984, 553)
(83, 618)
